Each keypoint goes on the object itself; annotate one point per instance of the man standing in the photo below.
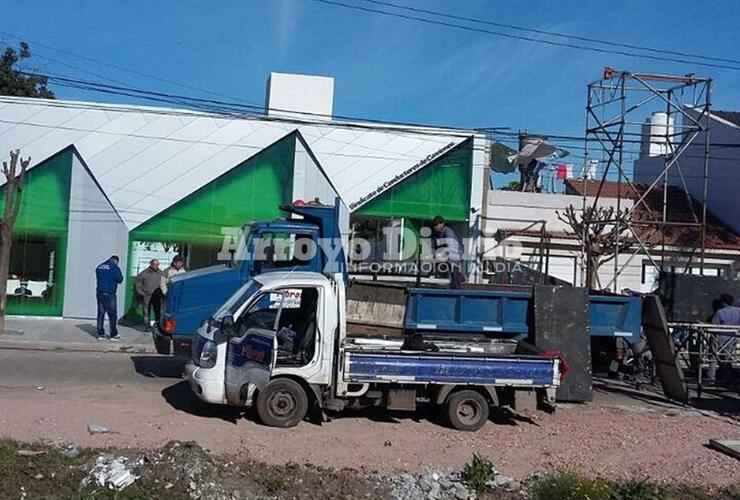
(177, 266)
(108, 276)
(446, 246)
(728, 314)
(148, 281)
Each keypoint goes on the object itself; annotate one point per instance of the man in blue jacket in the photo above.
(108, 276)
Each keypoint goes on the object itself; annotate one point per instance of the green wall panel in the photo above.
(41, 231)
(440, 188)
(252, 190)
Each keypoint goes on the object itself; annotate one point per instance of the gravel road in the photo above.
(54, 396)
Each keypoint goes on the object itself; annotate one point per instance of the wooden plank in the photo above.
(655, 327)
(561, 323)
(729, 447)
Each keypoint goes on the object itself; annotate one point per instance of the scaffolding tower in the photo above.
(615, 104)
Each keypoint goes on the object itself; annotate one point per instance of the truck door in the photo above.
(251, 350)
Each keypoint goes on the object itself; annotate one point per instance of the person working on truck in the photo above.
(148, 281)
(728, 314)
(446, 248)
(177, 266)
(108, 276)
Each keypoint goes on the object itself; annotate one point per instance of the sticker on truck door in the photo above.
(249, 359)
(289, 298)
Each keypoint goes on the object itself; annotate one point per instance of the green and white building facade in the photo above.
(145, 182)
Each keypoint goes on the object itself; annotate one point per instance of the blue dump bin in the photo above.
(507, 314)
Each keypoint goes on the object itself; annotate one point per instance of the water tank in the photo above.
(657, 135)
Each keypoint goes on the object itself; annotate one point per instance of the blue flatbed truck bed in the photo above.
(514, 370)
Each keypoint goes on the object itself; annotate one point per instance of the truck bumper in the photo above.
(206, 383)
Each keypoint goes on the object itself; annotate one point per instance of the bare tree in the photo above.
(597, 228)
(14, 180)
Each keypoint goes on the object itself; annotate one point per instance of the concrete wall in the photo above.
(309, 179)
(724, 171)
(478, 186)
(95, 233)
(310, 182)
(516, 211)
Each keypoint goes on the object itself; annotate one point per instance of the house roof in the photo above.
(730, 116)
(147, 158)
(680, 209)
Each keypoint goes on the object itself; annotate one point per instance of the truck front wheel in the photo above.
(282, 403)
(467, 410)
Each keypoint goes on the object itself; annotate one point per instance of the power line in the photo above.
(230, 110)
(211, 108)
(237, 110)
(551, 33)
(121, 68)
(522, 37)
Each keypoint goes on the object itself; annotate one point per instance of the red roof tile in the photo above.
(680, 209)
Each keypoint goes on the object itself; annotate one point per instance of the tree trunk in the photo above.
(592, 274)
(6, 236)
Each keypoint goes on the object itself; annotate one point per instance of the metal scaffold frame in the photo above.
(613, 118)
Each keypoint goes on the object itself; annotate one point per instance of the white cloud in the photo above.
(287, 17)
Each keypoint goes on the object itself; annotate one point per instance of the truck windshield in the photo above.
(237, 300)
(243, 247)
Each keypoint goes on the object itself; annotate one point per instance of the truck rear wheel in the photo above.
(282, 403)
(467, 410)
(162, 344)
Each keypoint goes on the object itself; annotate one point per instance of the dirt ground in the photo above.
(618, 441)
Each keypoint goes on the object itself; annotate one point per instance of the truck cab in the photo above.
(280, 343)
(274, 246)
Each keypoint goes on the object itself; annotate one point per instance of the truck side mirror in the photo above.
(227, 324)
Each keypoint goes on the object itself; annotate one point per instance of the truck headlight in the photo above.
(208, 354)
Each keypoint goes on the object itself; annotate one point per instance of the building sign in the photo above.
(398, 178)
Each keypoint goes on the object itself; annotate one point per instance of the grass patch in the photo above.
(36, 475)
(571, 485)
(568, 485)
(274, 483)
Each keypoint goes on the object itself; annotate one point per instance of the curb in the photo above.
(107, 346)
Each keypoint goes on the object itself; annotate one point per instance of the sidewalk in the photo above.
(57, 334)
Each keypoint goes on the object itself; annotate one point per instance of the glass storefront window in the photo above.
(34, 283)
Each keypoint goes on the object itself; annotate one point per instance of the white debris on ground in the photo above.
(436, 484)
(115, 473)
(71, 451)
(97, 429)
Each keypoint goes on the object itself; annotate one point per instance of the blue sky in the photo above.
(385, 68)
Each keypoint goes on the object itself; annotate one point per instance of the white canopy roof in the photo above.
(147, 158)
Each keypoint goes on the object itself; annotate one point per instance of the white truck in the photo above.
(280, 343)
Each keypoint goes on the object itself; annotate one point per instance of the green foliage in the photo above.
(638, 489)
(274, 483)
(477, 472)
(16, 82)
(569, 485)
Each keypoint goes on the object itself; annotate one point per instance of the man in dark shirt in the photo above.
(108, 276)
(447, 248)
